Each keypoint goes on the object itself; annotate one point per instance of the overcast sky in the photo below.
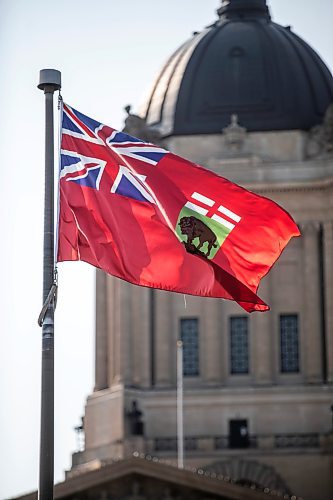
(108, 53)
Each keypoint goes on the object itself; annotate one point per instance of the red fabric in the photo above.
(136, 240)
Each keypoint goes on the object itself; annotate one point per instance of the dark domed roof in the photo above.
(243, 64)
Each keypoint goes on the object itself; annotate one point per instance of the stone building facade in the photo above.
(251, 101)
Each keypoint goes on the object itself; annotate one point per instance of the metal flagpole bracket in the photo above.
(51, 300)
(60, 100)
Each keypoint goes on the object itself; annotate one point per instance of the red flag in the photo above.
(154, 219)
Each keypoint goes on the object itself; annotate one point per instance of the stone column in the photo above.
(140, 336)
(328, 290)
(311, 311)
(135, 337)
(114, 330)
(126, 332)
(101, 358)
(261, 335)
(211, 339)
(163, 339)
(145, 338)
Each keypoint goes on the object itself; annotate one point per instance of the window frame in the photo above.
(196, 372)
(283, 369)
(232, 370)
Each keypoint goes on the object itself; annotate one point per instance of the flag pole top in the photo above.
(49, 80)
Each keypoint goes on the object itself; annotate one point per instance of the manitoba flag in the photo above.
(154, 219)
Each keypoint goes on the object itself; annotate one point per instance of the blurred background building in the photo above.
(250, 100)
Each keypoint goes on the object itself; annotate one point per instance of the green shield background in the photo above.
(218, 229)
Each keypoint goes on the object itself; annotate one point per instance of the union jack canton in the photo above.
(84, 158)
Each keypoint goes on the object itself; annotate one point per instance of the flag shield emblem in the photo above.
(203, 225)
(200, 234)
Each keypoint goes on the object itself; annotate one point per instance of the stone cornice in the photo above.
(319, 185)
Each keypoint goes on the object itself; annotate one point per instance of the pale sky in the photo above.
(108, 53)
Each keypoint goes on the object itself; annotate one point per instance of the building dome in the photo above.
(243, 64)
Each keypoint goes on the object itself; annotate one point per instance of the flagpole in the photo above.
(49, 82)
(180, 423)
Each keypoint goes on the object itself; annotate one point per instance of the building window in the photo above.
(289, 343)
(189, 333)
(239, 347)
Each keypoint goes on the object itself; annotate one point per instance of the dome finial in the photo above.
(244, 9)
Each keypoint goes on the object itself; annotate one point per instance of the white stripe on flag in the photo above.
(229, 213)
(224, 222)
(196, 208)
(95, 140)
(203, 199)
(122, 153)
(137, 149)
